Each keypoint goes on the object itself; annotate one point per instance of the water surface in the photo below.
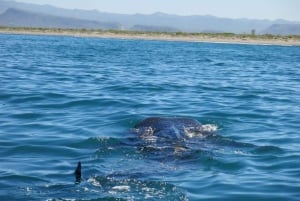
(68, 99)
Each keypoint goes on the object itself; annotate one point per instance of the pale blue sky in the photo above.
(257, 9)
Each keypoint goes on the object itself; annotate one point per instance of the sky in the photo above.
(253, 9)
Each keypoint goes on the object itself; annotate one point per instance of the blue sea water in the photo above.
(70, 99)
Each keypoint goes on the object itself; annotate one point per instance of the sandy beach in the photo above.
(187, 37)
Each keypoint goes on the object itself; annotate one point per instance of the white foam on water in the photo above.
(121, 188)
(201, 131)
(114, 190)
(94, 182)
(209, 128)
(239, 152)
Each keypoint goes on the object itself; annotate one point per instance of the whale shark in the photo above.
(180, 139)
(164, 134)
(173, 128)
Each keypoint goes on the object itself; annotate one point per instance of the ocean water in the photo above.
(69, 99)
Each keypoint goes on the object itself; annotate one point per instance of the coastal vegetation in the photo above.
(177, 36)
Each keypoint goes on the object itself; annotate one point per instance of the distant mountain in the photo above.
(153, 28)
(141, 22)
(283, 29)
(18, 18)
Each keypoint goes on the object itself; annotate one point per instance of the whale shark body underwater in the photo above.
(163, 133)
(181, 139)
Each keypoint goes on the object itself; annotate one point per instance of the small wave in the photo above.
(22, 178)
(95, 142)
(219, 64)
(70, 104)
(30, 150)
(267, 150)
(27, 115)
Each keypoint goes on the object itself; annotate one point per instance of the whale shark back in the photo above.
(168, 128)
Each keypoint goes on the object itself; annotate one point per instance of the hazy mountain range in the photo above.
(31, 15)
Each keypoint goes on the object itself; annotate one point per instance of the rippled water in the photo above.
(68, 99)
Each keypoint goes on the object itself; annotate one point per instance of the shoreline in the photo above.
(182, 37)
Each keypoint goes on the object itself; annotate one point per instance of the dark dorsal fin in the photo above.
(77, 173)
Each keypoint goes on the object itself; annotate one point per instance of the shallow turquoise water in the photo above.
(68, 99)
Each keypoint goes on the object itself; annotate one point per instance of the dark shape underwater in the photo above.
(163, 134)
(168, 138)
